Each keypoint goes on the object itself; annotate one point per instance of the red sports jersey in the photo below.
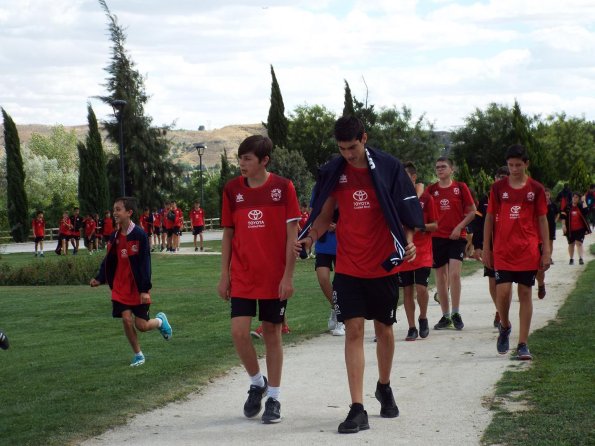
(423, 240)
(259, 217)
(144, 223)
(167, 223)
(108, 226)
(38, 227)
(90, 227)
(179, 217)
(124, 289)
(363, 236)
(304, 219)
(516, 235)
(65, 226)
(197, 218)
(576, 219)
(451, 203)
(156, 220)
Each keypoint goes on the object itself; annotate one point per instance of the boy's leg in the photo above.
(409, 305)
(442, 287)
(385, 350)
(423, 298)
(454, 282)
(323, 274)
(129, 331)
(525, 312)
(201, 241)
(503, 300)
(242, 341)
(354, 358)
(195, 245)
(274, 352)
(580, 250)
(143, 325)
(571, 250)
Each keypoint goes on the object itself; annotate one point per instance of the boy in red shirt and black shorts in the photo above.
(521, 209)
(197, 221)
(38, 225)
(260, 215)
(575, 227)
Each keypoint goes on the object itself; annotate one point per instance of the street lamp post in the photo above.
(200, 149)
(118, 106)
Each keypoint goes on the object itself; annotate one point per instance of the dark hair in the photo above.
(259, 145)
(517, 151)
(129, 203)
(348, 128)
(38, 212)
(577, 194)
(410, 168)
(504, 170)
(447, 160)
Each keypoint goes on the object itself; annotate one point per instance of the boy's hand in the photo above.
(410, 252)
(94, 283)
(303, 245)
(223, 288)
(145, 298)
(285, 288)
(488, 261)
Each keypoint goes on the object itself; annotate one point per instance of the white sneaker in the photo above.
(332, 320)
(339, 329)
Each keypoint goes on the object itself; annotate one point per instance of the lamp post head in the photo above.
(118, 106)
(200, 148)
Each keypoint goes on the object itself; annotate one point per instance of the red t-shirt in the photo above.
(38, 227)
(179, 218)
(65, 226)
(144, 223)
(516, 230)
(304, 218)
(90, 226)
(156, 220)
(259, 217)
(363, 236)
(576, 219)
(124, 289)
(167, 223)
(197, 217)
(451, 203)
(108, 226)
(423, 240)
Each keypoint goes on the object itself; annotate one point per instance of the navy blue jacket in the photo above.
(139, 255)
(394, 190)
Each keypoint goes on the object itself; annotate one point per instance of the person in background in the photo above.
(38, 224)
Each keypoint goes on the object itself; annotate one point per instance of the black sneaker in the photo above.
(412, 334)
(444, 322)
(457, 321)
(388, 407)
(581, 261)
(357, 420)
(571, 262)
(502, 344)
(253, 404)
(195, 249)
(272, 411)
(424, 328)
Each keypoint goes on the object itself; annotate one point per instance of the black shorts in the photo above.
(526, 278)
(170, 232)
(39, 239)
(488, 272)
(420, 276)
(63, 237)
(197, 230)
(325, 261)
(157, 230)
(176, 230)
(576, 236)
(368, 298)
(444, 249)
(140, 311)
(269, 310)
(76, 236)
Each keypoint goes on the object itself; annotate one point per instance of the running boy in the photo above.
(259, 218)
(38, 224)
(127, 270)
(519, 203)
(197, 221)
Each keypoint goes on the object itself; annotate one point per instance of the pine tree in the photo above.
(464, 175)
(93, 186)
(348, 109)
(149, 172)
(228, 171)
(17, 205)
(277, 124)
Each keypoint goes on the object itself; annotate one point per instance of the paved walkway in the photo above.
(443, 385)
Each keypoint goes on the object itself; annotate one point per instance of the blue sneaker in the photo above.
(523, 353)
(503, 340)
(165, 328)
(139, 359)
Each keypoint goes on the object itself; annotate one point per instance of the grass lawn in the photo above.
(66, 375)
(557, 392)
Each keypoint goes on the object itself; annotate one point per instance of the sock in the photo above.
(455, 310)
(159, 322)
(257, 380)
(140, 353)
(379, 385)
(358, 407)
(274, 392)
(446, 315)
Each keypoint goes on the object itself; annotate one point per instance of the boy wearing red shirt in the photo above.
(90, 226)
(127, 270)
(64, 234)
(304, 216)
(156, 229)
(259, 218)
(521, 209)
(575, 227)
(418, 271)
(108, 226)
(38, 225)
(178, 226)
(197, 221)
(456, 209)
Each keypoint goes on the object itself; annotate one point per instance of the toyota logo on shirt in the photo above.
(361, 200)
(514, 212)
(444, 204)
(255, 216)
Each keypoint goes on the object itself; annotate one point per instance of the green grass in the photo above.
(66, 375)
(558, 389)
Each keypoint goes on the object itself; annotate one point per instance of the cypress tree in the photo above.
(348, 109)
(16, 203)
(277, 124)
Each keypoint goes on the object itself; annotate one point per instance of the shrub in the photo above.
(71, 270)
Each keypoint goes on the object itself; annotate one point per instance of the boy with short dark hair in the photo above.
(38, 224)
(127, 270)
(259, 218)
(576, 227)
(90, 226)
(197, 221)
(64, 234)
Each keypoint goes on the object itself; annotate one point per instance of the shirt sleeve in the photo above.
(293, 208)
(226, 213)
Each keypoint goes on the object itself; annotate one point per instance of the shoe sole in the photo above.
(387, 415)
(271, 421)
(136, 364)
(410, 339)
(354, 431)
(255, 335)
(525, 358)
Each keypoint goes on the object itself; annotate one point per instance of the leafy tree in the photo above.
(228, 171)
(17, 205)
(311, 135)
(348, 109)
(93, 191)
(464, 174)
(482, 182)
(277, 124)
(364, 111)
(149, 170)
(580, 180)
(291, 164)
(59, 145)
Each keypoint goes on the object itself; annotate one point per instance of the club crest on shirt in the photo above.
(239, 198)
(456, 191)
(530, 196)
(343, 178)
(134, 248)
(276, 194)
(255, 219)
(123, 253)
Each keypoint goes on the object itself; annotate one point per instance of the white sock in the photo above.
(257, 380)
(140, 353)
(274, 392)
(159, 322)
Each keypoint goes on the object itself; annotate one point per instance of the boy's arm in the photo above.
(286, 285)
(319, 227)
(224, 286)
(546, 255)
(469, 216)
(488, 228)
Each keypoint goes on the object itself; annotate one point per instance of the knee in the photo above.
(354, 331)
(239, 335)
(127, 320)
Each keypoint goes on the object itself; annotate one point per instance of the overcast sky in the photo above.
(208, 62)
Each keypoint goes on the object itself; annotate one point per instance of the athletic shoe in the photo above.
(581, 261)
(253, 404)
(357, 420)
(571, 262)
(201, 249)
(332, 320)
(139, 359)
(497, 320)
(41, 255)
(35, 255)
(339, 329)
(388, 407)
(195, 249)
(503, 344)
(165, 328)
(285, 329)
(4, 344)
(541, 291)
(412, 334)
(436, 297)
(551, 262)
(457, 321)
(523, 353)
(444, 322)
(257, 333)
(424, 329)
(272, 411)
